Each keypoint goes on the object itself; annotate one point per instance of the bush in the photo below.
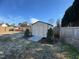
(56, 35)
(50, 35)
(27, 33)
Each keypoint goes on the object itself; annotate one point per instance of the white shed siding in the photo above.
(40, 29)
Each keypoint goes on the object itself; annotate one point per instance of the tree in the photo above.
(71, 17)
(7, 24)
(50, 35)
(13, 25)
(58, 23)
(27, 33)
(51, 21)
(56, 29)
(24, 24)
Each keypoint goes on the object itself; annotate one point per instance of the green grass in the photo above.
(72, 52)
(7, 40)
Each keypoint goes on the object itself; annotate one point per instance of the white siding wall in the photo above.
(40, 29)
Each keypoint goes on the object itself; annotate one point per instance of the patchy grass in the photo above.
(69, 51)
(44, 51)
(8, 39)
(5, 39)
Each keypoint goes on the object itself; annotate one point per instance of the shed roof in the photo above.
(42, 22)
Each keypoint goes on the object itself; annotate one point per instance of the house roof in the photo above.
(4, 25)
(42, 22)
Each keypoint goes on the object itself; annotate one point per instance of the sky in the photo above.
(17, 11)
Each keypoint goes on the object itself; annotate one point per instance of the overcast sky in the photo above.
(15, 11)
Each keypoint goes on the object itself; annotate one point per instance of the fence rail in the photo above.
(70, 34)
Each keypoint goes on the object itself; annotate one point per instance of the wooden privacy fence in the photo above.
(70, 34)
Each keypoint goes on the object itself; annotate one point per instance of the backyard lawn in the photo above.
(34, 50)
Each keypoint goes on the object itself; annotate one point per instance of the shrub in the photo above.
(50, 35)
(27, 33)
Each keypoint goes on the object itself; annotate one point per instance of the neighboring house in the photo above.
(23, 28)
(4, 25)
(5, 28)
(27, 27)
(40, 28)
